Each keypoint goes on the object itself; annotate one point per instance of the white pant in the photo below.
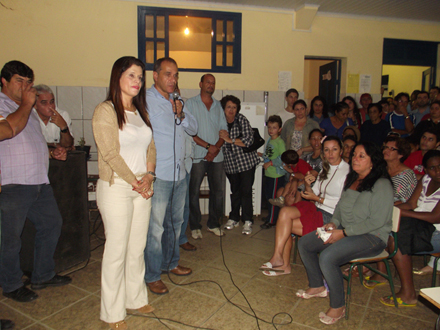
(126, 215)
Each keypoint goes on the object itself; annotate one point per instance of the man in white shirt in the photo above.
(56, 125)
(291, 97)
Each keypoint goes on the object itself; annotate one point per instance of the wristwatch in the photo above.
(233, 141)
(153, 174)
(207, 146)
(65, 130)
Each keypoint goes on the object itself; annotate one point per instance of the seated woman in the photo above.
(419, 228)
(335, 125)
(359, 228)
(302, 217)
(314, 158)
(395, 150)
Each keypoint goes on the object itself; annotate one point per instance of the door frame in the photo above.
(338, 78)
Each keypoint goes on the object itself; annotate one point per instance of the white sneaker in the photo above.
(231, 224)
(247, 228)
(216, 231)
(196, 233)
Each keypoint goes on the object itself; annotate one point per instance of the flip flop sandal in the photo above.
(371, 284)
(400, 303)
(274, 273)
(269, 266)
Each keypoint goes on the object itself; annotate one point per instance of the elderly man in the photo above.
(170, 124)
(55, 123)
(26, 192)
(208, 157)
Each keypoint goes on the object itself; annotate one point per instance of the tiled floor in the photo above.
(199, 303)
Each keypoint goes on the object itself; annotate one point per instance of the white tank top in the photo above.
(134, 139)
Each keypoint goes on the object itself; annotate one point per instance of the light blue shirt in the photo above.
(418, 116)
(168, 136)
(210, 122)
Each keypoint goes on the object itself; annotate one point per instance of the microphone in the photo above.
(175, 96)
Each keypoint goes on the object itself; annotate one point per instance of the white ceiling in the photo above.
(419, 10)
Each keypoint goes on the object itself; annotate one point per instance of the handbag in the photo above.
(258, 142)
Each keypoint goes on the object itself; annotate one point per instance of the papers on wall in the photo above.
(365, 83)
(284, 80)
(353, 84)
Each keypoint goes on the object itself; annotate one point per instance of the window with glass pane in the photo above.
(198, 40)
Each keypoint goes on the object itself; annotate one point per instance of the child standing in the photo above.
(273, 167)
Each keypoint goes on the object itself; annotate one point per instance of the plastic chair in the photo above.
(384, 256)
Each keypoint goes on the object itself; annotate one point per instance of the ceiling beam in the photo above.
(303, 17)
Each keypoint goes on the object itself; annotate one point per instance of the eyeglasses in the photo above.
(390, 148)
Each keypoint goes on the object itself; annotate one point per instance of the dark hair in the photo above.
(356, 111)
(423, 92)
(434, 131)
(275, 119)
(434, 102)
(114, 93)
(315, 130)
(290, 157)
(430, 154)
(15, 67)
(436, 87)
(158, 64)
(379, 169)
(350, 137)
(372, 105)
(233, 99)
(338, 107)
(402, 145)
(324, 107)
(203, 77)
(292, 90)
(299, 102)
(400, 95)
(325, 164)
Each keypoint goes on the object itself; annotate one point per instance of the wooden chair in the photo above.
(384, 256)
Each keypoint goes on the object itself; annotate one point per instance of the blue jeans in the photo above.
(162, 250)
(324, 260)
(216, 180)
(38, 204)
(183, 239)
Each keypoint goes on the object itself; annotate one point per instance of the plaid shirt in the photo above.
(235, 160)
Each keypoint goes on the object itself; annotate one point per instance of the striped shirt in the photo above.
(404, 184)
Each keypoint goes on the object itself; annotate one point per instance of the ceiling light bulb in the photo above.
(186, 31)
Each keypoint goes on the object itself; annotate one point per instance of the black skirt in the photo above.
(414, 235)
